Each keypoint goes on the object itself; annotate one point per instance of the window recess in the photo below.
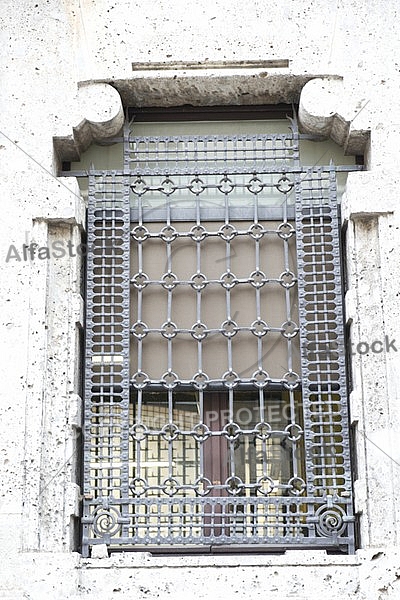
(215, 397)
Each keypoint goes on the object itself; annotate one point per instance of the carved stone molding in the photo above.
(100, 116)
(326, 109)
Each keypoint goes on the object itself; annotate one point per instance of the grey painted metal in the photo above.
(299, 488)
(106, 406)
(284, 522)
(207, 213)
(85, 173)
(324, 386)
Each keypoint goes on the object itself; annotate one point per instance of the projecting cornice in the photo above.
(326, 107)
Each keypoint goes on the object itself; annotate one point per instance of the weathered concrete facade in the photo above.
(66, 76)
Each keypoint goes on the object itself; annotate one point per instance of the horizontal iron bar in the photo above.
(121, 173)
(302, 136)
(236, 213)
(251, 548)
(220, 500)
(220, 137)
(216, 386)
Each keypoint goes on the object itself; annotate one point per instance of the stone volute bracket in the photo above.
(326, 110)
(100, 116)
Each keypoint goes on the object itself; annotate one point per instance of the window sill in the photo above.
(290, 558)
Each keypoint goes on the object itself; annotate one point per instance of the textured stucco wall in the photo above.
(52, 54)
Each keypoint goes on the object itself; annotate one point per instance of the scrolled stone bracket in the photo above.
(99, 117)
(328, 110)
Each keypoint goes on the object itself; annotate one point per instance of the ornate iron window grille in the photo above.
(186, 457)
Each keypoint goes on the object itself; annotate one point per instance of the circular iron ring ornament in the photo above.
(170, 379)
(140, 380)
(140, 280)
(230, 379)
(170, 432)
(199, 331)
(227, 232)
(294, 432)
(140, 233)
(167, 187)
(169, 280)
(139, 432)
(256, 231)
(229, 328)
(200, 432)
(285, 231)
(287, 279)
(263, 431)
(203, 486)
(200, 380)
(259, 328)
(169, 330)
(291, 380)
(198, 281)
(265, 485)
(170, 486)
(138, 486)
(168, 234)
(255, 185)
(228, 280)
(330, 520)
(139, 186)
(289, 329)
(225, 185)
(284, 185)
(198, 233)
(197, 186)
(231, 431)
(258, 279)
(260, 378)
(106, 521)
(234, 485)
(297, 486)
(139, 330)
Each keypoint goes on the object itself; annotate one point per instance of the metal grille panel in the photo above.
(106, 411)
(323, 354)
(181, 155)
(197, 455)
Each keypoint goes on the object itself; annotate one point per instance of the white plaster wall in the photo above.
(48, 48)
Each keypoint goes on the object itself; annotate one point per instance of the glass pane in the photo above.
(245, 443)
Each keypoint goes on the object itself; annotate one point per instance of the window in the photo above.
(216, 399)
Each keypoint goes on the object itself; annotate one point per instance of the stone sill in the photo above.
(291, 558)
